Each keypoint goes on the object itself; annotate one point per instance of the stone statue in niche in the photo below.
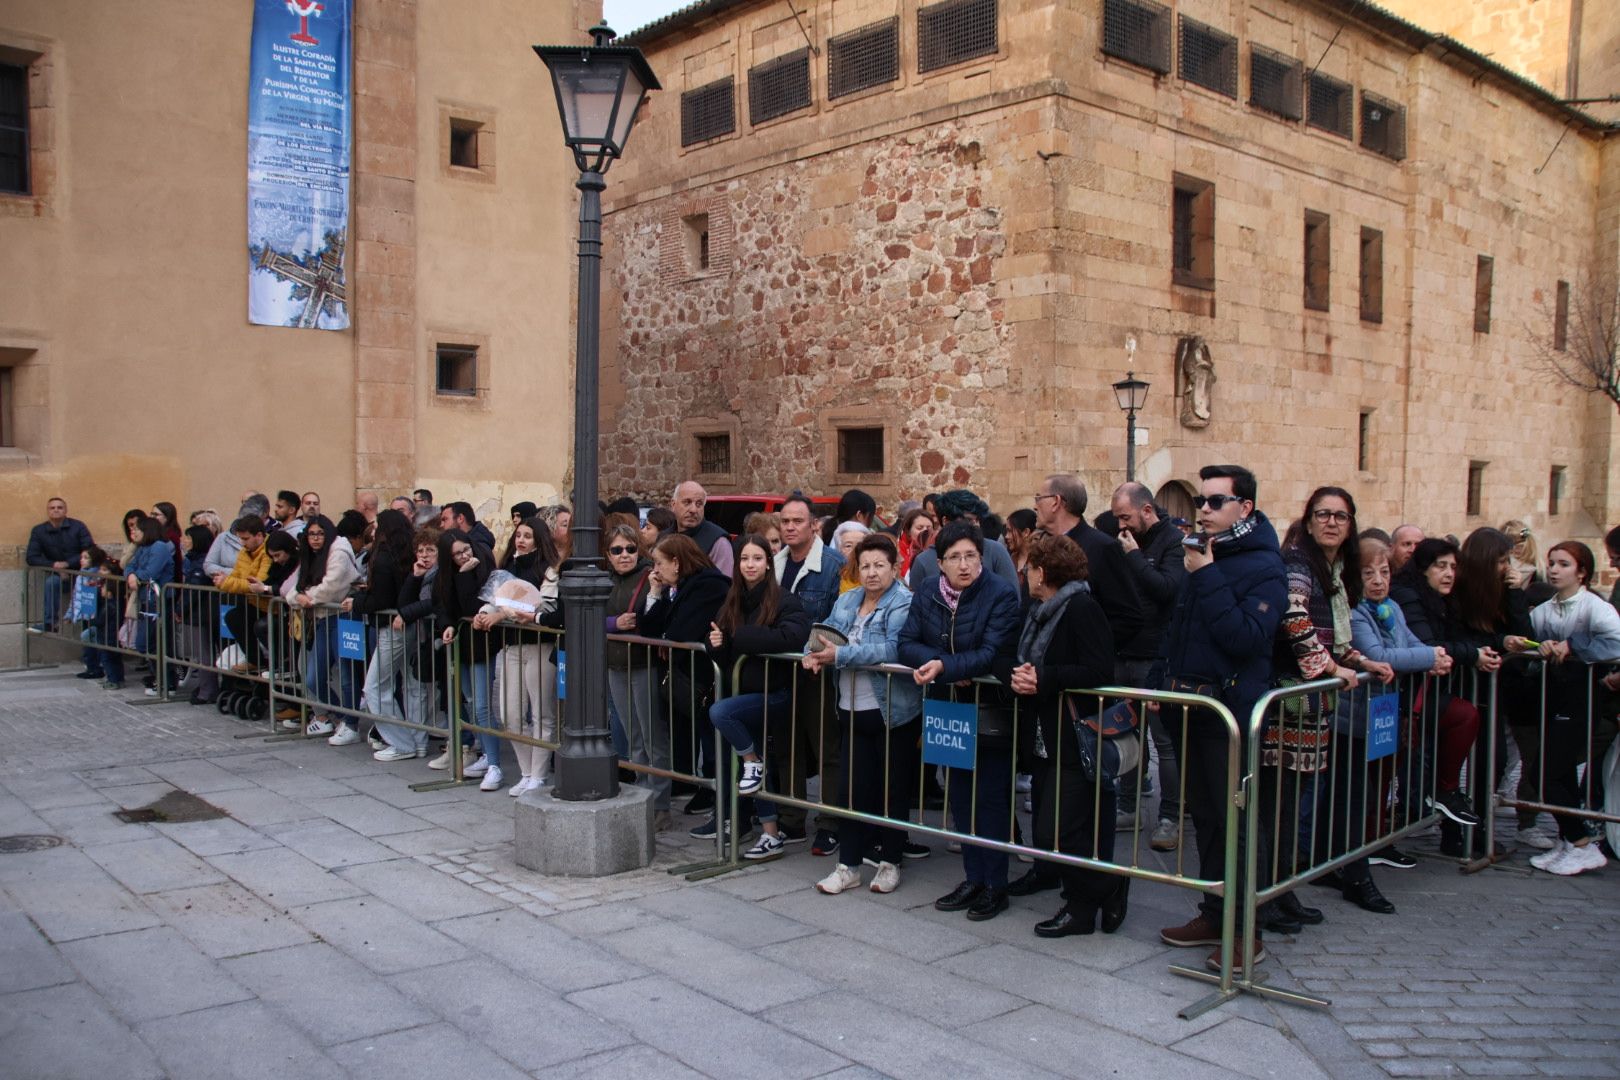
(1195, 374)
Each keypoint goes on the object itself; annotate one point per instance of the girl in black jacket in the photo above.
(389, 561)
(464, 566)
(757, 618)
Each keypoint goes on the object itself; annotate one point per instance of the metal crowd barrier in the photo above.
(1574, 719)
(988, 827)
(49, 606)
(227, 647)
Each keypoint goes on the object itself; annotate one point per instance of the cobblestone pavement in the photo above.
(337, 923)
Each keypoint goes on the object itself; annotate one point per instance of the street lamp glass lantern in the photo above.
(1131, 392)
(599, 90)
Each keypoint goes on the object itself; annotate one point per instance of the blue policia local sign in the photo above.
(351, 639)
(950, 733)
(1383, 725)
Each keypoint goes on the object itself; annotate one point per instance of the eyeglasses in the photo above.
(1214, 502)
(1339, 517)
(962, 558)
(621, 551)
(1048, 495)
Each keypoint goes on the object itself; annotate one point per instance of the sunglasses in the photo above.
(621, 551)
(1214, 502)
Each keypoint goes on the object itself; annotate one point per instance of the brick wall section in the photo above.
(383, 270)
(861, 280)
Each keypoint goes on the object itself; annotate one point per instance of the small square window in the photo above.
(1555, 491)
(860, 450)
(1364, 441)
(1318, 260)
(696, 228)
(714, 454)
(1561, 318)
(456, 370)
(464, 143)
(1192, 233)
(1383, 126)
(1331, 105)
(1484, 275)
(1372, 275)
(1476, 488)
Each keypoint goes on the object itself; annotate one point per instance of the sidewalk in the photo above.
(337, 924)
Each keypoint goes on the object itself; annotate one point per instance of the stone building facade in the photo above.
(903, 244)
(130, 372)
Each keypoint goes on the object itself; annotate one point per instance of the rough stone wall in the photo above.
(860, 282)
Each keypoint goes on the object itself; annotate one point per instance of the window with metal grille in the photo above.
(714, 453)
(456, 370)
(708, 112)
(1383, 126)
(1192, 233)
(1275, 82)
(954, 31)
(1372, 275)
(1137, 31)
(778, 87)
(1208, 57)
(14, 177)
(1484, 276)
(1318, 259)
(863, 58)
(1330, 105)
(1555, 491)
(1561, 318)
(860, 450)
(1476, 488)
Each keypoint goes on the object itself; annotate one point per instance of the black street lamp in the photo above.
(1131, 393)
(599, 89)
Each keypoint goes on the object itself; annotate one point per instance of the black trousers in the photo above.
(882, 765)
(1204, 769)
(1070, 810)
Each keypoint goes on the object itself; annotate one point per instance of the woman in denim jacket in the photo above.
(884, 715)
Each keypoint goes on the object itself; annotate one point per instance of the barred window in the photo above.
(954, 31)
(860, 450)
(1383, 126)
(1330, 105)
(1192, 233)
(1209, 57)
(778, 87)
(1275, 82)
(1137, 31)
(863, 58)
(708, 112)
(714, 454)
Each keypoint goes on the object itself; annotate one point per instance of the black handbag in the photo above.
(1108, 740)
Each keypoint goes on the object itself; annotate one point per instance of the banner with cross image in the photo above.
(299, 136)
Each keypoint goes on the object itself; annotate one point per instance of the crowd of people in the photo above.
(1010, 614)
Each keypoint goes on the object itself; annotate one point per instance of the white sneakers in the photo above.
(477, 768)
(753, 777)
(319, 727)
(528, 783)
(1535, 838)
(344, 736)
(492, 778)
(388, 753)
(842, 877)
(1567, 859)
(887, 879)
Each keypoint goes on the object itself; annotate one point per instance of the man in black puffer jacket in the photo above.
(1219, 643)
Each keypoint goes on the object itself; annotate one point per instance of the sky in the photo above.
(627, 15)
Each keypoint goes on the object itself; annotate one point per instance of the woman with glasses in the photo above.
(631, 681)
(961, 621)
(1322, 730)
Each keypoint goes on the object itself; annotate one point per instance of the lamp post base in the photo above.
(585, 839)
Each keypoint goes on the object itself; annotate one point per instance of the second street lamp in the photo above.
(599, 90)
(1131, 393)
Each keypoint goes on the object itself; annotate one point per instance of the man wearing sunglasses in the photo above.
(1219, 643)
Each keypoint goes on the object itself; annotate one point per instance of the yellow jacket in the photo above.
(256, 565)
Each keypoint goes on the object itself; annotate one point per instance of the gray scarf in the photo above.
(1039, 627)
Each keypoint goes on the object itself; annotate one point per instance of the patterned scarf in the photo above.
(951, 596)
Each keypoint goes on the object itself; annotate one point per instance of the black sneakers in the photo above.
(1454, 806)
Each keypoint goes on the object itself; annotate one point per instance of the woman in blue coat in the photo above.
(960, 622)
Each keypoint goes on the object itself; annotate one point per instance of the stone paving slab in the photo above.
(340, 924)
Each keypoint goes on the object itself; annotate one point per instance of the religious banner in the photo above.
(298, 164)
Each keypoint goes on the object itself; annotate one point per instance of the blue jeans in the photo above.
(475, 689)
(318, 669)
(53, 598)
(991, 785)
(741, 720)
